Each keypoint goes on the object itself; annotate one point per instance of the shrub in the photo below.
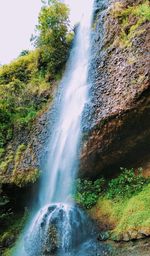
(19, 69)
(126, 184)
(88, 192)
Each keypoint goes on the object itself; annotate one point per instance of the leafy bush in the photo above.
(14, 108)
(126, 184)
(19, 69)
(20, 100)
(88, 192)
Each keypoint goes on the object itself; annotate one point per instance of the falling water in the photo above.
(59, 226)
(65, 139)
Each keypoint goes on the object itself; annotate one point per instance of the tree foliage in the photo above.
(24, 81)
(52, 38)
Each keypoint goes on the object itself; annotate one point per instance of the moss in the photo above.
(4, 164)
(21, 148)
(124, 205)
(136, 213)
(23, 177)
(130, 20)
(18, 175)
(2, 152)
(123, 215)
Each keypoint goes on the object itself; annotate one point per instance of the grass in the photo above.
(136, 214)
(123, 215)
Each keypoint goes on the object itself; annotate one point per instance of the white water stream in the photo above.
(56, 211)
(65, 139)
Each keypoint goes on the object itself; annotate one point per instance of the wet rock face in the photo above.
(117, 132)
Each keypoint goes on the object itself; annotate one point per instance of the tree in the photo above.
(52, 28)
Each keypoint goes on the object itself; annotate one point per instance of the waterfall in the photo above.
(64, 143)
(59, 225)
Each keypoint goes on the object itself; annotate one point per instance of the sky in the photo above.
(17, 23)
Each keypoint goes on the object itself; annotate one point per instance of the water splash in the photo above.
(57, 228)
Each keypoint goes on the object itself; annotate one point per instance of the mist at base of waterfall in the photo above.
(57, 228)
(62, 230)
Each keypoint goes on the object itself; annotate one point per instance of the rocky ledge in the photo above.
(118, 133)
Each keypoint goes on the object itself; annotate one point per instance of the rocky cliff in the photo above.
(118, 133)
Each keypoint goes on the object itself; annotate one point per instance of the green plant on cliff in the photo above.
(17, 174)
(5, 163)
(130, 19)
(88, 192)
(17, 100)
(126, 184)
(23, 177)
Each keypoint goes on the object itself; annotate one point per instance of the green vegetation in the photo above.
(124, 215)
(130, 19)
(54, 39)
(126, 184)
(23, 177)
(4, 164)
(27, 83)
(121, 204)
(124, 205)
(18, 176)
(88, 192)
(136, 213)
(11, 227)
(19, 95)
